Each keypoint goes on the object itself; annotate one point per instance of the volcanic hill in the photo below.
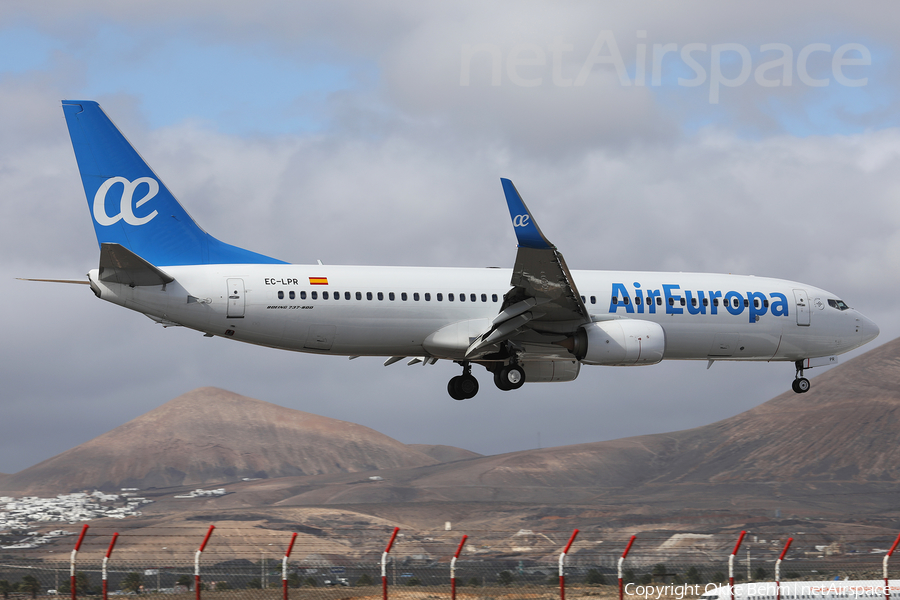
(835, 449)
(210, 436)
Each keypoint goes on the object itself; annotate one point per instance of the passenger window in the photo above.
(705, 302)
(462, 297)
(291, 295)
(615, 300)
(416, 296)
(693, 302)
(715, 301)
(625, 301)
(368, 295)
(315, 295)
(359, 295)
(391, 296)
(347, 295)
(324, 295)
(583, 299)
(493, 297)
(381, 295)
(484, 297)
(746, 303)
(303, 295)
(281, 295)
(594, 299)
(449, 297)
(472, 297)
(403, 296)
(671, 301)
(337, 295)
(659, 300)
(440, 297)
(682, 302)
(427, 297)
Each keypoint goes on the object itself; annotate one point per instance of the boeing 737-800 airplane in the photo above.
(538, 322)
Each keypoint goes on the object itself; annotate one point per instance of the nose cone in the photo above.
(869, 330)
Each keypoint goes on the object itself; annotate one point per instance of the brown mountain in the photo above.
(839, 444)
(836, 448)
(444, 453)
(210, 436)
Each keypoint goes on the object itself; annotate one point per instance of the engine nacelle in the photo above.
(621, 342)
(545, 371)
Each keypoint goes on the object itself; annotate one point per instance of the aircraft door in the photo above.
(801, 299)
(235, 298)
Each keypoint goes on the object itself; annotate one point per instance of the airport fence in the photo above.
(483, 579)
(505, 565)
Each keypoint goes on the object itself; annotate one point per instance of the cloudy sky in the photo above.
(756, 138)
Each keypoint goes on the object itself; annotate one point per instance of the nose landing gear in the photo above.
(800, 384)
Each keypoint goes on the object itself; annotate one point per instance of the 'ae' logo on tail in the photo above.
(127, 205)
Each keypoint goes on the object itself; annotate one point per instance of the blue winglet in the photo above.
(527, 231)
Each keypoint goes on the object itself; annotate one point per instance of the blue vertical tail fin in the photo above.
(131, 206)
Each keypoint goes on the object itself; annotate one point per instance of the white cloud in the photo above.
(404, 171)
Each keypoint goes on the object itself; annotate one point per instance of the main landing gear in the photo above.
(800, 384)
(465, 386)
(509, 377)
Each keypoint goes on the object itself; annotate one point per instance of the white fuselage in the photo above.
(396, 311)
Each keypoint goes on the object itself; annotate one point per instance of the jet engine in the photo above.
(544, 371)
(621, 342)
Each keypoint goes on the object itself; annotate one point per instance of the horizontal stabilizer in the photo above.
(120, 265)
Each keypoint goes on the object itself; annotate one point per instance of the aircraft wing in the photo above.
(543, 305)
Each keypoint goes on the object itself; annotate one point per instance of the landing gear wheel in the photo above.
(800, 385)
(499, 380)
(453, 388)
(511, 377)
(462, 387)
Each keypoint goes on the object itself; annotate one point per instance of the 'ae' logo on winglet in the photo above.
(521, 220)
(127, 205)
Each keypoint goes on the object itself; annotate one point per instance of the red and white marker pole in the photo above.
(562, 567)
(284, 566)
(453, 567)
(731, 563)
(887, 587)
(75, 550)
(622, 560)
(778, 569)
(197, 562)
(109, 550)
(384, 558)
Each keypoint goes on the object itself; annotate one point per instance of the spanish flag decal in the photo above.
(318, 281)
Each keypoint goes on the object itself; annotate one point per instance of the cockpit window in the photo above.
(838, 304)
